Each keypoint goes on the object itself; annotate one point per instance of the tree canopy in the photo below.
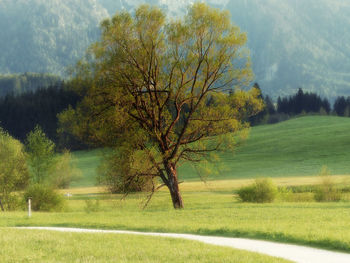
(41, 155)
(159, 90)
(13, 168)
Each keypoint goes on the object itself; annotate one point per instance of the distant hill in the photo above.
(298, 43)
(46, 36)
(297, 147)
(293, 43)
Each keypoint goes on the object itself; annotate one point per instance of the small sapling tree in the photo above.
(41, 155)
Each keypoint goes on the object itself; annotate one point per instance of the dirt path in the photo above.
(294, 253)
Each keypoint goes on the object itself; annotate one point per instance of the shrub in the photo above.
(261, 191)
(327, 191)
(14, 173)
(44, 198)
(91, 206)
(14, 202)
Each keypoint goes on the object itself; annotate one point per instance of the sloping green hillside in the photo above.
(297, 147)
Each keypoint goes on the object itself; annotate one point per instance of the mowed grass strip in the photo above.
(325, 225)
(19, 245)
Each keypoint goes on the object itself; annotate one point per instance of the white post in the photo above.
(29, 207)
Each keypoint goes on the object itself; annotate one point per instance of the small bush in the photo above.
(91, 206)
(261, 191)
(13, 202)
(327, 190)
(44, 198)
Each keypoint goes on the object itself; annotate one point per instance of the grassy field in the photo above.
(291, 152)
(87, 162)
(42, 246)
(298, 147)
(206, 212)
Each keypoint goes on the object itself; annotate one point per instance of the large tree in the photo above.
(159, 90)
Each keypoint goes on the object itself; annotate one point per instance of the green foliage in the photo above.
(44, 198)
(47, 167)
(19, 114)
(261, 191)
(13, 169)
(158, 88)
(41, 155)
(327, 191)
(92, 206)
(119, 171)
(15, 202)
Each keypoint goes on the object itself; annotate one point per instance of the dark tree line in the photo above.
(19, 114)
(299, 103)
(303, 102)
(268, 111)
(342, 106)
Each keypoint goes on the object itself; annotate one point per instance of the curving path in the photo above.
(294, 253)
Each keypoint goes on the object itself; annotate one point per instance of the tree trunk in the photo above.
(2, 207)
(173, 186)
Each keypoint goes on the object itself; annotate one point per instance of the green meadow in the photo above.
(44, 246)
(210, 212)
(298, 147)
(291, 153)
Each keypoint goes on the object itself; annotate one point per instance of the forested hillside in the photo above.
(19, 114)
(293, 43)
(46, 36)
(20, 83)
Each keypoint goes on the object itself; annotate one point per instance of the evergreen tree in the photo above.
(340, 106)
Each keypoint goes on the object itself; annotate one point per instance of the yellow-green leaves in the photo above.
(13, 167)
(160, 89)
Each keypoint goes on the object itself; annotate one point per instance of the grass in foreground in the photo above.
(45, 246)
(324, 225)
